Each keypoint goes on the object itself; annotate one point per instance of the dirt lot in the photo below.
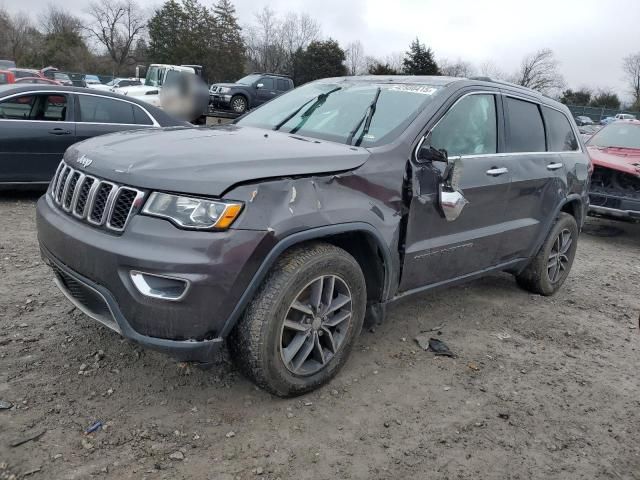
(541, 388)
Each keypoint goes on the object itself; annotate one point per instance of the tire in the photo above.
(239, 104)
(261, 344)
(539, 276)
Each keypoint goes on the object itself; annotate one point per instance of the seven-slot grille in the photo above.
(99, 202)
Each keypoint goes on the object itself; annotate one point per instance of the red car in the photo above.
(38, 80)
(615, 182)
(7, 76)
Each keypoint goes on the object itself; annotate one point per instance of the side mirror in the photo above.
(429, 154)
(260, 85)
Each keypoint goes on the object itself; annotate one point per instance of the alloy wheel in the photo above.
(558, 260)
(316, 325)
(239, 105)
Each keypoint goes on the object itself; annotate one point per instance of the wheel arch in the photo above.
(359, 239)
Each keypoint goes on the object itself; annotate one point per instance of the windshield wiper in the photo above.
(319, 100)
(368, 116)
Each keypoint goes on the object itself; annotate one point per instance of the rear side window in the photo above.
(140, 117)
(468, 128)
(105, 110)
(526, 130)
(4, 79)
(560, 134)
(283, 85)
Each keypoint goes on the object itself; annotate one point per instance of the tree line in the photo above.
(114, 36)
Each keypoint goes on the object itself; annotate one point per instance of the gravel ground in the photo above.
(541, 387)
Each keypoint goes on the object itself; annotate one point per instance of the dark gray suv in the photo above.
(281, 232)
(249, 92)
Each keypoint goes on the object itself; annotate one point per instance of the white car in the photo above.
(115, 84)
(625, 116)
(155, 78)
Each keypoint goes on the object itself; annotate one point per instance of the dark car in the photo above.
(583, 120)
(249, 92)
(279, 232)
(54, 74)
(39, 122)
(615, 183)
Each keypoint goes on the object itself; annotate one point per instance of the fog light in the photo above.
(159, 286)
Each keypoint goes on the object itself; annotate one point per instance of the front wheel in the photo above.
(550, 267)
(239, 104)
(299, 329)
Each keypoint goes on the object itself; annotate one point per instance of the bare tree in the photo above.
(19, 36)
(272, 41)
(116, 25)
(265, 42)
(57, 21)
(298, 31)
(459, 68)
(355, 58)
(539, 71)
(395, 61)
(491, 70)
(631, 68)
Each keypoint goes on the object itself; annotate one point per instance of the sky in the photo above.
(589, 37)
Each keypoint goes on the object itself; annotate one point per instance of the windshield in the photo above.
(618, 134)
(339, 112)
(248, 80)
(153, 78)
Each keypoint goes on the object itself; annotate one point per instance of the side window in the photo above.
(268, 83)
(140, 117)
(4, 78)
(283, 85)
(560, 134)
(51, 108)
(105, 110)
(526, 130)
(468, 128)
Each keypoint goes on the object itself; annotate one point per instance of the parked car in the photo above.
(6, 64)
(607, 120)
(54, 74)
(92, 81)
(39, 122)
(625, 116)
(25, 72)
(583, 120)
(36, 80)
(587, 131)
(117, 83)
(249, 92)
(615, 183)
(279, 232)
(6, 77)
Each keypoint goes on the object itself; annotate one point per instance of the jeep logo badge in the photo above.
(84, 161)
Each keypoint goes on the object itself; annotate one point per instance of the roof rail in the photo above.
(272, 74)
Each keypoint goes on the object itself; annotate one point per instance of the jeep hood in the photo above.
(625, 160)
(208, 161)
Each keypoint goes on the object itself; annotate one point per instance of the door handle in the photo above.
(554, 166)
(496, 172)
(59, 131)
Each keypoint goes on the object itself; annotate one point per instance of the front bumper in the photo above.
(92, 268)
(220, 100)
(614, 206)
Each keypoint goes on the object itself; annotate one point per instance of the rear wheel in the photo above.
(550, 267)
(239, 104)
(299, 329)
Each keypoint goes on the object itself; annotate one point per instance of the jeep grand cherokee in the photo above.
(280, 232)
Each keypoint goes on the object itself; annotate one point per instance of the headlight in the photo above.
(224, 90)
(191, 212)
